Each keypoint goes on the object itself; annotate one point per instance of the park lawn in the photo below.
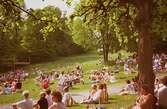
(88, 61)
(35, 90)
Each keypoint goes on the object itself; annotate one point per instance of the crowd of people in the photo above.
(131, 63)
(60, 98)
(65, 79)
(47, 100)
(160, 62)
(12, 81)
(98, 76)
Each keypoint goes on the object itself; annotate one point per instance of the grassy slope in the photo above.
(88, 61)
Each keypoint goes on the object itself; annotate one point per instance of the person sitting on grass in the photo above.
(67, 98)
(26, 103)
(45, 83)
(57, 101)
(97, 95)
(7, 89)
(13, 86)
(135, 85)
(105, 93)
(128, 89)
(92, 93)
(162, 94)
(146, 100)
(42, 103)
(112, 78)
(49, 97)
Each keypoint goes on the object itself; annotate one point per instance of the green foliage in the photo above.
(115, 23)
(82, 34)
(123, 18)
(48, 37)
(159, 26)
(44, 35)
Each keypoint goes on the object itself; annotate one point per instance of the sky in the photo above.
(39, 4)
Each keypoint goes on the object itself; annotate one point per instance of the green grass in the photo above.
(88, 61)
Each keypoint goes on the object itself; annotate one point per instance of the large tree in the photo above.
(142, 20)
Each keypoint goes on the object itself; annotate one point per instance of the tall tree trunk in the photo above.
(105, 53)
(145, 52)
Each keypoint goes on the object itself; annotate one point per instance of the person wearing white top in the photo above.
(97, 95)
(49, 97)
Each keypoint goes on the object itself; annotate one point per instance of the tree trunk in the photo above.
(105, 53)
(145, 52)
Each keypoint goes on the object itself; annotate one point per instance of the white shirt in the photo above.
(96, 97)
(49, 99)
(66, 97)
(25, 104)
(162, 96)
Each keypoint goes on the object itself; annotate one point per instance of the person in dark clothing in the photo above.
(42, 103)
(18, 84)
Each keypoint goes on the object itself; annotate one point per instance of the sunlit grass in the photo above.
(88, 61)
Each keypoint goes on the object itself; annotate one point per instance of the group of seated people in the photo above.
(98, 76)
(160, 62)
(131, 63)
(97, 94)
(47, 100)
(70, 79)
(12, 81)
(65, 79)
(43, 80)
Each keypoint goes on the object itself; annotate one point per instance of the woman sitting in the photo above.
(57, 101)
(97, 95)
(92, 93)
(104, 95)
(67, 98)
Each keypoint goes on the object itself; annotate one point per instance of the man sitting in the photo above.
(26, 103)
